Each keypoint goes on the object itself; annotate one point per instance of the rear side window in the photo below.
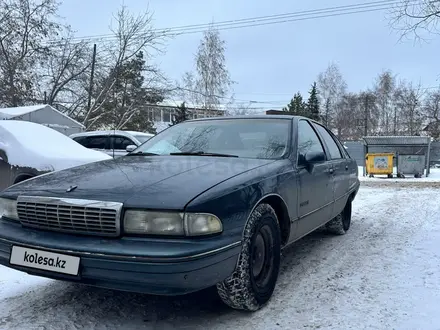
(335, 152)
(308, 141)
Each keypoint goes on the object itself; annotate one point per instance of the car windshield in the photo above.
(247, 138)
(142, 138)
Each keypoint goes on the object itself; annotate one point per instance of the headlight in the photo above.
(154, 223)
(8, 208)
(170, 223)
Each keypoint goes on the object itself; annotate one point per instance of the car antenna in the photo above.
(113, 139)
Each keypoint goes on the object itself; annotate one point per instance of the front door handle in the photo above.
(331, 171)
(346, 167)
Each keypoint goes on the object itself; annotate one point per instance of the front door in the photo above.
(315, 195)
(119, 144)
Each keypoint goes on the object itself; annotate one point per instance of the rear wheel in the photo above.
(342, 222)
(253, 282)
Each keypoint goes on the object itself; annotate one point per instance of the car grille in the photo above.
(77, 216)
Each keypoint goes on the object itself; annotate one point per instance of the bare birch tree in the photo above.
(384, 88)
(409, 102)
(213, 79)
(332, 87)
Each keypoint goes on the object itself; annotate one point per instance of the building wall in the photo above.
(54, 120)
(162, 116)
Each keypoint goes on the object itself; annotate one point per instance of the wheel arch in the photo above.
(280, 207)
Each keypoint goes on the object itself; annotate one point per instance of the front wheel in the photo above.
(252, 283)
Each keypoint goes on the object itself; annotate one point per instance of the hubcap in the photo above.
(258, 255)
(262, 256)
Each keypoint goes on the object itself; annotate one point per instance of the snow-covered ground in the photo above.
(384, 274)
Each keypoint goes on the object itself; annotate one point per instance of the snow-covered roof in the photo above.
(43, 148)
(11, 113)
(177, 103)
(8, 113)
(396, 140)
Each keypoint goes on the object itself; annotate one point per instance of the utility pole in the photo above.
(89, 101)
(366, 115)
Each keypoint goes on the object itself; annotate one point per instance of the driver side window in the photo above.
(307, 141)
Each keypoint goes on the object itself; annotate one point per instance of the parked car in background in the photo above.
(113, 142)
(207, 202)
(29, 149)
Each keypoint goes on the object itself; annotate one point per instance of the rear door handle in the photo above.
(346, 167)
(331, 170)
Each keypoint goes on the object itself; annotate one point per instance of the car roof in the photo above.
(248, 117)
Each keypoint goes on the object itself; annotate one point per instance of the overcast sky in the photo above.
(272, 62)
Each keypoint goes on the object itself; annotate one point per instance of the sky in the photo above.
(270, 63)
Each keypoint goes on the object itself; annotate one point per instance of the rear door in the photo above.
(315, 183)
(338, 167)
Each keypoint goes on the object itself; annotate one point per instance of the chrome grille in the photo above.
(78, 216)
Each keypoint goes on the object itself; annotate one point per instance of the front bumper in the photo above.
(153, 266)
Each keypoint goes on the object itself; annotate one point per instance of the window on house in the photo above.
(167, 115)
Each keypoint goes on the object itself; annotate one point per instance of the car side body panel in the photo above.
(233, 200)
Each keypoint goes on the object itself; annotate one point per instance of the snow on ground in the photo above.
(382, 275)
(33, 145)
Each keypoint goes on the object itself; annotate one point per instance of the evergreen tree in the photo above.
(181, 114)
(124, 108)
(296, 107)
(313, 104)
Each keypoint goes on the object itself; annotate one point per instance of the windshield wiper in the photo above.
(201, 153)
(142, 153)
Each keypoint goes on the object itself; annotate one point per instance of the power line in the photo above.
(260, 20)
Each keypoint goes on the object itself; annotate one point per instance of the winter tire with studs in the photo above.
(252, 283)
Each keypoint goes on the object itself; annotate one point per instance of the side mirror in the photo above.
(130, 148)
(313, 157)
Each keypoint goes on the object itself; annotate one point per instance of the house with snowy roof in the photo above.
(43, 114)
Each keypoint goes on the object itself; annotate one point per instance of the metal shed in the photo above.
(45, 115)
(415, 145)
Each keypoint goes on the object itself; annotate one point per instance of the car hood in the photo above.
(167, 182)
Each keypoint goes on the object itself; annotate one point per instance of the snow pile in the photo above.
(40, 147)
